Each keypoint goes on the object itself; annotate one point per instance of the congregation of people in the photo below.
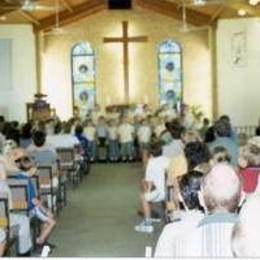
(204, 176)
(206, 181)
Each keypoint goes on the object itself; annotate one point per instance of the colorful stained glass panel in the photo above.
(83, 77)
(170, 73)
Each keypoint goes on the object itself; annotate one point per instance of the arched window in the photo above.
(170, 74)
(83, 77)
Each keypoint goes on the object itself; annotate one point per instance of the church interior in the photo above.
(129, 127)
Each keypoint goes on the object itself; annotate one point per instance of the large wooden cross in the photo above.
(126, 40)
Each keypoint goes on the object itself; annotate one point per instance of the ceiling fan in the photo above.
(26, 5)
(218, 2)
(185, 28)
(57, 29)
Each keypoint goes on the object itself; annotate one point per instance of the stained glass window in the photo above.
(170, 73)
(83, 77)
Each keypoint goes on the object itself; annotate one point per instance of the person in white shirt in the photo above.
(62, 140)
(245, 235)
(189, 216)
(153, 186)
(126, 133)
(144, 134)
(220, 196)
(139, 110)
(113, 147)
(176, 146)
(90, 132)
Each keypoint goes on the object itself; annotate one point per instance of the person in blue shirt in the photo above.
(82, 139)
(25, 169)
(223, 138)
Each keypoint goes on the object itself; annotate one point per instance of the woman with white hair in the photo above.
(246, 235)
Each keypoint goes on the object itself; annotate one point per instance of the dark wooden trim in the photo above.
(80, 11)
(173, 10)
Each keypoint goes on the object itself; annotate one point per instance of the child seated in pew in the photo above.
(16, 220)
(19, 159)
(153, 186)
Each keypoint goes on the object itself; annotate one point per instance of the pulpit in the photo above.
(39, 110)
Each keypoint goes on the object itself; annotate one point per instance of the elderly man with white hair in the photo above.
(220, 196)
(246, 235)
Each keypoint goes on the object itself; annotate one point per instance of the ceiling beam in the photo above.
(28, 17)
(79, 11)
(217, 13)
(67, 5)
(173, 10)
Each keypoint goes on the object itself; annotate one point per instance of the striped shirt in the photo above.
(211, 238)
(172, 232)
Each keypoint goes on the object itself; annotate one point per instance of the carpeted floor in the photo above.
(100, 217)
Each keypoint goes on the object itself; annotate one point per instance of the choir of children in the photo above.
(123, 136)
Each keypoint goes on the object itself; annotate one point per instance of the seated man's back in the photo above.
(211, 238)
(220, 196)
(175, 148)
(62, 141)
(43, 153)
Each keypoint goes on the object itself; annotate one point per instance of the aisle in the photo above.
(100, 217)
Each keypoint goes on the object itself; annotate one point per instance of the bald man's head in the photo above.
(221, 189)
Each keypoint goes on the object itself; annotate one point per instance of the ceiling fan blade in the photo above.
(196, 29)
(55, 32)
(201, 3)
(44, 8)
(38, 8)
(9, 7)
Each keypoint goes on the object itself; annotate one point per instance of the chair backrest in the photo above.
(4, 211)
(66, 155)
(78, 149)
(19, 189)
(44, 157)
(36, 184)
(45, 174)
(248, 130)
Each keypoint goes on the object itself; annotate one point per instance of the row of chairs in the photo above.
(70, 171)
